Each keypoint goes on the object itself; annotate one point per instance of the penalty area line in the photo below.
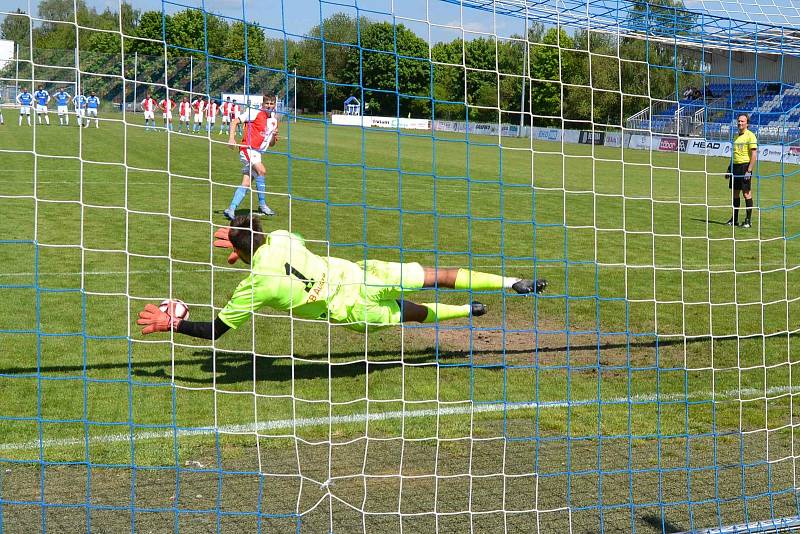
(306, 422)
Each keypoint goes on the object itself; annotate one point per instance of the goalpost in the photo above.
(651, 388)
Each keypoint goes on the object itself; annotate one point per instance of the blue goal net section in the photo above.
(518, 266)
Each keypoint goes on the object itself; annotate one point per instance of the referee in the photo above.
(740, 171)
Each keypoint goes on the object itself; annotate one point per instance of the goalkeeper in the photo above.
(287, 276)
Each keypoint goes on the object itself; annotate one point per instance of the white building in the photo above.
(7, 49)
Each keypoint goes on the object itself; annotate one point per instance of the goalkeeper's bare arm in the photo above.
(286, 276)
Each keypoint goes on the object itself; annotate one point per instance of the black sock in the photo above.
(749, 203)
(736, 201)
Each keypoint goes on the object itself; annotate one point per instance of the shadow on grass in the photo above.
(233, 367)
(709, 221)
(660, 523)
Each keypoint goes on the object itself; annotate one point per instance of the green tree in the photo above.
(548, 68)
(323, 74)
(448, 80)
(148, 34)
(394, 61)
(16, 27)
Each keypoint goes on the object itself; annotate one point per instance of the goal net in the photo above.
(649, 388)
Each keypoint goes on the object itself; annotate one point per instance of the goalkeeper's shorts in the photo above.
(377, 303)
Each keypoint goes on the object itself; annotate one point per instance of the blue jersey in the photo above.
(62, 98)
(79, 101)
(25, 99)
(42, 97)
(93, 102)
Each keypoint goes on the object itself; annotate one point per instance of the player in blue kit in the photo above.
(62, 98)
(92, 105)
(79, 102)
(42, 97)
(25, 99)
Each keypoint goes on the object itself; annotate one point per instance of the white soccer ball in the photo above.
(175, 309)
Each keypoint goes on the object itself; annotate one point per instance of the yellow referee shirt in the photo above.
(742, 146)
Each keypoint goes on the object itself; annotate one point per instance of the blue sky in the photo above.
(298, 16)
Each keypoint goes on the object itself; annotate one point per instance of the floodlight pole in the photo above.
(524, 83)
(16, 74)
(135, 76)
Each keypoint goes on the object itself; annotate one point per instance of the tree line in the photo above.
(549, 74)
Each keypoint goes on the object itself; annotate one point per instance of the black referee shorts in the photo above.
(736, 179)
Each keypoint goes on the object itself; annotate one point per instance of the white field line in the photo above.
(266, 427)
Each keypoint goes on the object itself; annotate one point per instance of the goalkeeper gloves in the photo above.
(155, 320)
(222, 241)
(748, 175)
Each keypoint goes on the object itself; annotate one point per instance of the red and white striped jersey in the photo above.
(211, 109)
(233, 110)
(166, 104)
(199, 106)
(260, 128)
(149, 104)
(185, 108)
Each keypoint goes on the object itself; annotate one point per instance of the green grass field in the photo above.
(652, 388)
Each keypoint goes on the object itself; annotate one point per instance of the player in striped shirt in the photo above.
(2, 121)
(62, 98)
(225, 114)
(199, 107)
(92, 105)
(166, 106)
(184, 114)
(149, 109)
(211, 114)
(25, 99)
(260, 133)
(236, 110)
(79, 103)
(42, 97)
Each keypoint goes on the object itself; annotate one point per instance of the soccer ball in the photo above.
(175, 309)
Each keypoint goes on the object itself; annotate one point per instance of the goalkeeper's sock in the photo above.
(749, 203)
(443, 312)
(476, 280)
(238, 196)
(736, 202)
(261, 186)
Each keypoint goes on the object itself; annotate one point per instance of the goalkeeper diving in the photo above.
(286, 276)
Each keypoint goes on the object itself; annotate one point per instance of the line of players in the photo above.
(194, 112)
(260, 122)
(86, 107)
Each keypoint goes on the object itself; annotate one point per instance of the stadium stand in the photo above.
(774, 110)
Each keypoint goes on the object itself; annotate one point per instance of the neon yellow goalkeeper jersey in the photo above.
(286, 276)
